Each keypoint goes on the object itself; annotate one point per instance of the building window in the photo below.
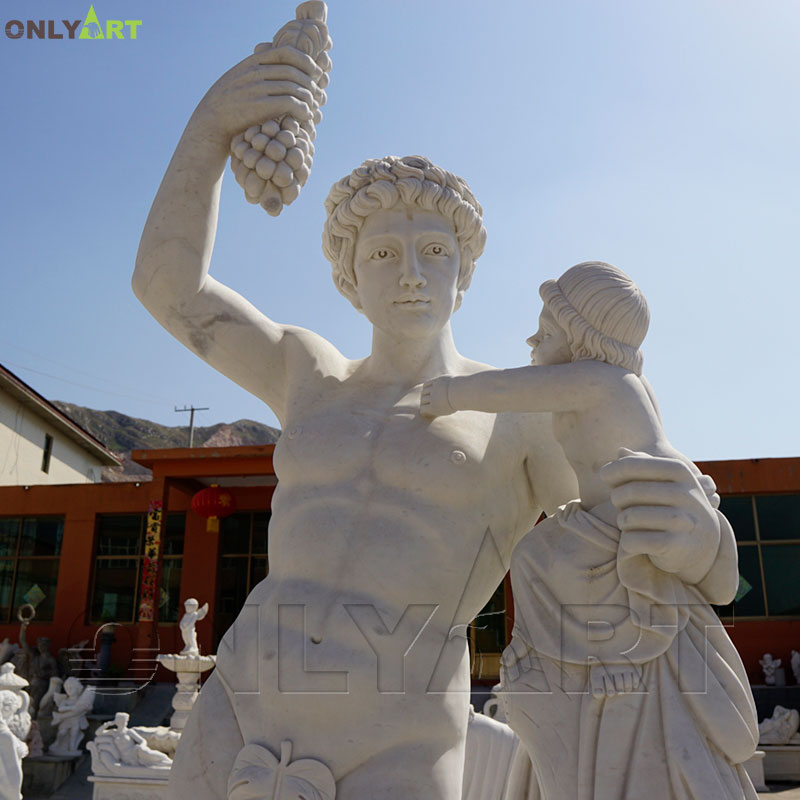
(243, 563)
(47, 452)
(118, 563)
(767, 530)
(30, 549)
(488, 636)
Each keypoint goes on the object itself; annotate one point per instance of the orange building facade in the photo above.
(124, 556)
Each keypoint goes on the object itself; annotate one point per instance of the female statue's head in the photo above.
(602, 311)
(384, 183)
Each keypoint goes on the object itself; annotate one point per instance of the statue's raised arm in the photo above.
(278, 87)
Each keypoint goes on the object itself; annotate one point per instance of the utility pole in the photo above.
(191, 411)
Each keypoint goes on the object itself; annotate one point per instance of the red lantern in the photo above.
(213, 504)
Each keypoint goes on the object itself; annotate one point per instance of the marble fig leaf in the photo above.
(258, 775)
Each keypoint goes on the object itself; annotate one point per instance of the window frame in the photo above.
(47, 453)
(139, 558)
(16, 558)
(759, 543)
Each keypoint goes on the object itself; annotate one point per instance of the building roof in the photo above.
(54, 416)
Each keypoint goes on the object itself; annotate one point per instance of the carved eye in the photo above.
(381, 254)
(435, 250)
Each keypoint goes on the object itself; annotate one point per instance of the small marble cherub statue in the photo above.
(187, 623)
(770, 666)
(586, 368)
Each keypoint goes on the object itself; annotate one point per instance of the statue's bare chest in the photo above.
(389, 446)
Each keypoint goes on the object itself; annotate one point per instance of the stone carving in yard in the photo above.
(69, 717)
(781, 727)
(118, 750)
(187, 626)
(12, 748)
(770, 666)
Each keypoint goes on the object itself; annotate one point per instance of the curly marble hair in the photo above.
(383, 183)
(602, 311)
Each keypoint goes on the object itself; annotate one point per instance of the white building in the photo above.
(40, 444)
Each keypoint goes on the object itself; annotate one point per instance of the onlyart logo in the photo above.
(89, 28)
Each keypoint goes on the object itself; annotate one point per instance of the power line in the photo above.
(141, 398)
(72, 369)
(191, 411)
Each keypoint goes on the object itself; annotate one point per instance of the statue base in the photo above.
(43, 775)
(781, 762)
(754, 767)
(108, 788)
(188, 669)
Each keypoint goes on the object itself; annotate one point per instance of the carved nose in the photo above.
(532, 341)
(412, 276)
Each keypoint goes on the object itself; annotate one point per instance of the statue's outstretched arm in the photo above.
(171, 276)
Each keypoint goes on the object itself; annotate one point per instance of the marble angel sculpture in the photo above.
(69, 718)
(187, 626)
(770, 667)
(598, 609)
(12, 748)
(387, 529)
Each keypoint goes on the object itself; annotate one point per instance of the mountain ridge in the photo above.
(121, 433)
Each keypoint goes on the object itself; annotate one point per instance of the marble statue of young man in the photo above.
(389, 531)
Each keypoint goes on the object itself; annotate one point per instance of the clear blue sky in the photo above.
(659, 136)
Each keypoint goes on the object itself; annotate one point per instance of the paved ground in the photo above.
(784, 791)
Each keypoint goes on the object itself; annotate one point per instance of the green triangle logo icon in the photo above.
(93, 32)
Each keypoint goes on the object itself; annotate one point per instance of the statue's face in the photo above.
(549, 344)
(406, 266)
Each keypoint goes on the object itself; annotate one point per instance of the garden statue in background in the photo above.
(187, 623)
(389, 532)
(770, 666)
(7, 650)
(70, 717)
(576, 573)
(41, 666)
(12, 748)
(116, 746)
(781, 727)
(20, 722)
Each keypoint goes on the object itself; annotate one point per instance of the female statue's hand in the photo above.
(664, 513)
(272, 82)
